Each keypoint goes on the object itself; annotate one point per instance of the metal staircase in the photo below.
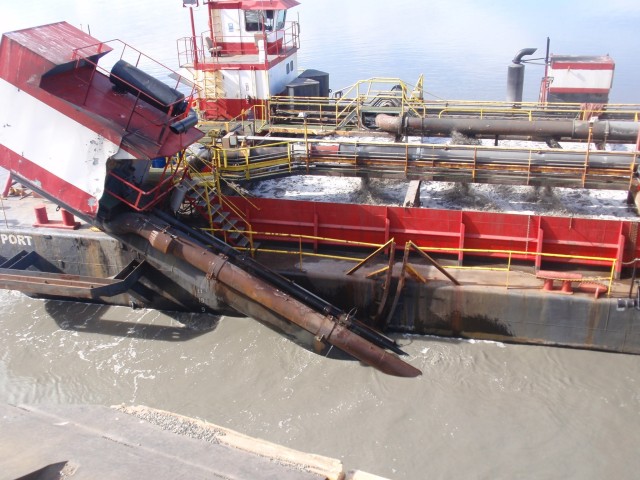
(213, 91)
(203, 201)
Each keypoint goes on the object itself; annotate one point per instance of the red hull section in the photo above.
(495, 234)
(226, 108)
(583, 66)
(51, 84)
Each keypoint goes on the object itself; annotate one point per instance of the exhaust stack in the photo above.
(515, 76)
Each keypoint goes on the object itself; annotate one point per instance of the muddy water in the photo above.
(481, 410)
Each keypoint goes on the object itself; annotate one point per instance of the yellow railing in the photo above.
(483, 112)
(240, 160)
(301, 240)
(409, 99)
(242, 163)
(301, 154)
(209, 188)
(352, 98)
(510, 253)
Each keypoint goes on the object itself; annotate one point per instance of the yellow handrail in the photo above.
(449, 250)
(250, 166)
(481, 112)
(452, 250)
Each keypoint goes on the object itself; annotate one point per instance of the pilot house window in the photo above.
(271, 20)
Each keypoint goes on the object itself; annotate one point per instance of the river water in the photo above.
(463, 48)
(480, 410)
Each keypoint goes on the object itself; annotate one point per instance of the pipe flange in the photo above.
(215, 267)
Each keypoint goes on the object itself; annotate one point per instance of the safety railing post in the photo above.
(306, 142)
(611, 277)
(245, 152)
(300, 251)
(586, 156)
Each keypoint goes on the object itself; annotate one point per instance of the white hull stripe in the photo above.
(79, 201)
(581, 78)
(53, 141)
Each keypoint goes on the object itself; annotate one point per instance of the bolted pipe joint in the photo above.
(160, 241)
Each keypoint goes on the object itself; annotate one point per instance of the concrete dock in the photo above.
(47, 442)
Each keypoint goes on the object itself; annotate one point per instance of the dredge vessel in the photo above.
(167, 225)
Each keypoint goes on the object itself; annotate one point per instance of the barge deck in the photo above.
(175, 238)
(496, 299)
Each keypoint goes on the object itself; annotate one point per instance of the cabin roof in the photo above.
(58, 43)
(256, 4)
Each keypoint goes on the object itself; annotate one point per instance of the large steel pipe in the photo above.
(254, 268)
(128, 78)
(254, 297)
(490, 156)
(468, 154)
(571, 129)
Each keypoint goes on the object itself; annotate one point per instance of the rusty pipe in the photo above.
(255, 297)
(275, 280)
(574, 129)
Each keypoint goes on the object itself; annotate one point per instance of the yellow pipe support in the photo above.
(375, 273)
(371, 256)
(410, 245)
(414, 273)
(507, 269)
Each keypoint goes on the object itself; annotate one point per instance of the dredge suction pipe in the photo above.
(598, 130)
(276, 280)
(255, 297)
